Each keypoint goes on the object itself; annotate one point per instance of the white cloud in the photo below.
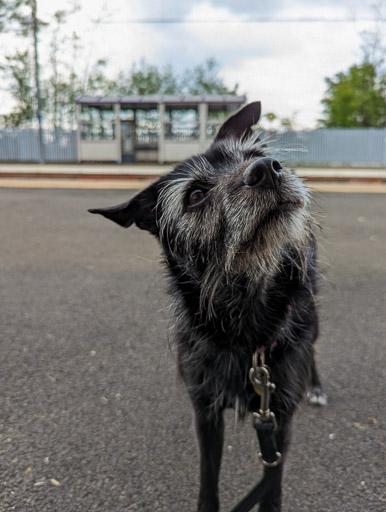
(118, 43)
(230, 34)
(299, 10)
(281, 64)
(292, 78)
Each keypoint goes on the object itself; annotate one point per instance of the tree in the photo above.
(97, 81)
(20, 68)
(61, 84)
(204, 79)
(3, 14)
(24, 13)
(144, 78)
(56, 87)
(373, 41)
(355, 99)
(287, 123)
(270, 116)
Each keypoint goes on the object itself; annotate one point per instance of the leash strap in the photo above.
(269, 455)
(264, 422)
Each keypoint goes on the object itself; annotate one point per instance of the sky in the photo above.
(281, 60)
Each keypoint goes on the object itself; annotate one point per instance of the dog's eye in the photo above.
(196, 196)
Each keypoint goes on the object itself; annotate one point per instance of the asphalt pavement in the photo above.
(92, 414)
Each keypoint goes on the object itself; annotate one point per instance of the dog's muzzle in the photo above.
(264, 172)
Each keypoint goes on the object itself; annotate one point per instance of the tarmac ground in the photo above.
(92, 414)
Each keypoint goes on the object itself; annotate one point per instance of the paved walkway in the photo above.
(138, 176)
(83, 169)
(151, 171)
(362, 187)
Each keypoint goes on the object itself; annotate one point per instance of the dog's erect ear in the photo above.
(141, 210)
(239, 124)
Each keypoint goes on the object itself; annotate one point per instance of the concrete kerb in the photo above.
(138, 172)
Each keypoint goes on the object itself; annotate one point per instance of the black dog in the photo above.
(236, 232)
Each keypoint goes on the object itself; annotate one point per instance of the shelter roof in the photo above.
(147, 102)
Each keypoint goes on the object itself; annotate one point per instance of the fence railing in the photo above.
(22, 145)
(325, 147)
(330, 147)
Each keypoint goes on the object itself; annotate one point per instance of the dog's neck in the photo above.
(236, 311)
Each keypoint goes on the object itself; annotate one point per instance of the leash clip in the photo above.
(260, 380)
(264, 421)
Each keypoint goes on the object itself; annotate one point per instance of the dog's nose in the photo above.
(264, 172)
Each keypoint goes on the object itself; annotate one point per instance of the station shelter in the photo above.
(128, 129)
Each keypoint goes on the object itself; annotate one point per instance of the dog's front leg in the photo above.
(210, 433)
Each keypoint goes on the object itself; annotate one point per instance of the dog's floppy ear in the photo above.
(239, 124)
(141, 210)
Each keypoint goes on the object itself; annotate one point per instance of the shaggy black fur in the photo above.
(238, 246)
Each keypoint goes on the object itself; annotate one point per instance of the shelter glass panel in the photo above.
(126, 114)
(97, 123)
(182, 123)
(147, 128)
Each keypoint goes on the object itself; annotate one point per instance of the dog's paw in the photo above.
(316, 396)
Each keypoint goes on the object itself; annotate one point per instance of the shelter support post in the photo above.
(117, 134)
(161, 138)
(203, 119)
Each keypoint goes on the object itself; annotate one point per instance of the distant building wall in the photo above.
(105, 150)
(177, 150)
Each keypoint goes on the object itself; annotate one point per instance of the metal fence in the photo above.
(326, 147)
(22, 145)
(331, 147)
